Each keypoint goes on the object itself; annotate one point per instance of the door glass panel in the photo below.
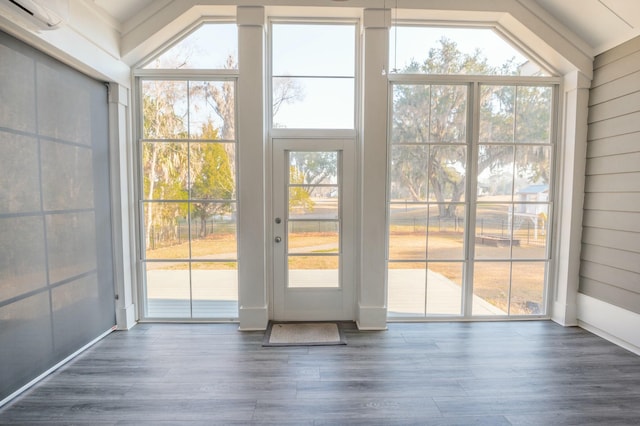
(313, 221)
(306, 202)
(314, 271)
(313, 237)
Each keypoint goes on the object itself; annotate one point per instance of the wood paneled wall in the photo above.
(610, 267)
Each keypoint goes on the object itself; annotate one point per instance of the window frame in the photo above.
(139, 75)
(474, 82)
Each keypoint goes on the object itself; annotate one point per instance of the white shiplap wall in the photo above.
(610, 267)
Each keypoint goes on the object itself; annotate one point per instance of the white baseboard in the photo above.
(55, 367)
(253, 319)
(371, 318)
(610, 322)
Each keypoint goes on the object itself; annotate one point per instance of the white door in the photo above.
(313, 239)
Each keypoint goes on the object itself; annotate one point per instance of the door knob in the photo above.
(278, 239)
(278, 220)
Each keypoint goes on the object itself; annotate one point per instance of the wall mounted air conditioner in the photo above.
(38, 14)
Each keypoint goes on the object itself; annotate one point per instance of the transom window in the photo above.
(313, 75)
(455, 50)
(209, 46)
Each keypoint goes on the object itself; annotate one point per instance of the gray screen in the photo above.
(56, 264)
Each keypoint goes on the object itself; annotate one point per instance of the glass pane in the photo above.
(212, 171)
(527, 288)
(313, 103)
(314, 50)
(530, 231)
(214, 289)
(495, 172)
(444, 288)
(407, 231)
(491, 288)
(168, 290)
(313, 168)
(314, 271)
(313, 190)
(533, 114)
(411, 109)
(446, 232)
(406, 289)
(493, 231)
(447, 172)
(533, 173)
(409, 172)
(212, 110)
(448, 113)
(447, 50)
(211, 46)
(497, 110)
(313, 237)
(307, 202)
(164, 109)
(165, 171)
(166, 232)
(213, 231)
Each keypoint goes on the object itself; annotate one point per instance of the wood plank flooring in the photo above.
(520, 373)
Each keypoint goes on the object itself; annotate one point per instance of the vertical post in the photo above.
(252, 289)
(121, 207)
(372, 296)
(571, 174)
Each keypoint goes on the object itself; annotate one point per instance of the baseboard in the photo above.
(610, 322)
(371, 318)
(253, 319)
(55, 367)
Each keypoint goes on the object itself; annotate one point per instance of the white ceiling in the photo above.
(602, 24)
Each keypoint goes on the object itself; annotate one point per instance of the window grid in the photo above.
(526, 219)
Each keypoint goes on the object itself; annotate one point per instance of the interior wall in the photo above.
(610, 260)
(56, 267)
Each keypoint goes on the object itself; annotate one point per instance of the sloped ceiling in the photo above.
(602, 24)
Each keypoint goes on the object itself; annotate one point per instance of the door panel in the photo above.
(313, 229)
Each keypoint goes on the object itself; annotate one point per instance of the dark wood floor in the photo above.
(522, 373)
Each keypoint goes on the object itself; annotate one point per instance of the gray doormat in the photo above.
(303, 334)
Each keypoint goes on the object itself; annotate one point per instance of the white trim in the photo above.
(253, 318)
(122, 217)
(55, 367)
(370, 318)
(610, 322)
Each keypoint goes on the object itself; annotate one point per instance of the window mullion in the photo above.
(473, 137)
